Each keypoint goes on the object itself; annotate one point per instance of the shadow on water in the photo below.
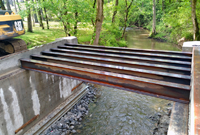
(118, 112)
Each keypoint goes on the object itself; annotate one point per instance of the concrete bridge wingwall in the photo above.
(26, 97)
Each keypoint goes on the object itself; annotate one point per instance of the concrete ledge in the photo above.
(188, 46)
(10, 62)
(71, 39)
(27, 97)
(179, 119)
(194, 126)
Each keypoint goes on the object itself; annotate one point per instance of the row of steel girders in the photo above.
(164, 74)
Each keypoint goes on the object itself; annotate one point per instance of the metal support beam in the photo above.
(129, 53)
(133, 49)
(163, 74)
(166, 90)
(123, 57)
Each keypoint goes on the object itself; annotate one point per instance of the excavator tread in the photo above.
(10, 46)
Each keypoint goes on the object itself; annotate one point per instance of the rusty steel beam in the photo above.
(133, 49)
(164, 76)
(127, 63)
(161, 89)
(123, 57)
(195, 94)
(127, 53)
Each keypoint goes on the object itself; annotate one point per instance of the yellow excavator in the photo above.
(11, 25)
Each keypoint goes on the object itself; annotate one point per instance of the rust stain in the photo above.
(77, 86)
(196, 94)
(23, 126)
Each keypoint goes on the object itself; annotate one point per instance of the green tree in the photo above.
(127, 8)
(115, 11)
(8, 5)
(2, 5)
(99, 21)
(194, 20)
(154, 18)
(29, 20)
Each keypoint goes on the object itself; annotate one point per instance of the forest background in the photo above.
(104, 22)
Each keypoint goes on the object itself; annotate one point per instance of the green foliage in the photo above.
(40, 37)
(110, 36)
(172, 22)
(173, 19)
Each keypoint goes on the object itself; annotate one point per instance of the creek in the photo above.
(118, 112)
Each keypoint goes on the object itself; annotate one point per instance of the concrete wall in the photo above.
(194, 112)
(26, 94)
(194, 105)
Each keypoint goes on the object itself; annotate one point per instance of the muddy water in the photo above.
(138, 38)
(118, 112)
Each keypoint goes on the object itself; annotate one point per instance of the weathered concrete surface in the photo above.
(10, 62)
(179, 119)
(188, 46)
(59, 111)
(26, 94)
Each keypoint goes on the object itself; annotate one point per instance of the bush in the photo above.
(111, 36)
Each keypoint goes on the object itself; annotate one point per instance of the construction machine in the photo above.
(11, 25)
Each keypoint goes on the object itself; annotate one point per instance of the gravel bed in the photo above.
(162, 120)
(65, 125)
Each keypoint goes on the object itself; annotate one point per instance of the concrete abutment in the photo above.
(27, 97)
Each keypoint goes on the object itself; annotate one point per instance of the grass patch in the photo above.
(40, 37)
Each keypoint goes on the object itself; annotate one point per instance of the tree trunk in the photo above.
(76, 23)
(8, 5)
(93, 12)
(154, 18)
(35, 15)
(163, 5)
(115, 11)
(29, 21)
(125, 21)
(18, 5)
(35, 18)
(15, 6)
(196, 35)
(11, 2)
(65, 28)
(126, 17)
(68, 28)
(99, 21)
(2, 5)
(40, 18)
(47, 20)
